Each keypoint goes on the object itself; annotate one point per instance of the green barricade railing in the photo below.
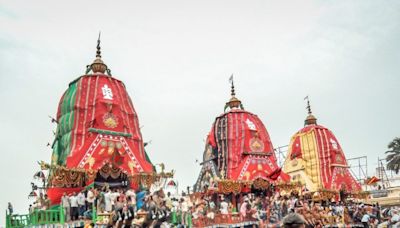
(17, 221)
(42, 217)
(176, 218)
(37, 217)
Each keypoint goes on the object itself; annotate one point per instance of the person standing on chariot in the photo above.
(278, 207)
(365, 219)
(74, 206)
(81, 203)
(90, 198)
(46, 203)
(39, 201)
(174, 211)
(66, 206)
(119, 204)
(99, 201)
(184, 208)
(108, 201)
(168, 202)
(224, 207)
(114, 195)
(122, 195)
(284, 206)
(131, 197)
(10, 208)
(243, 208)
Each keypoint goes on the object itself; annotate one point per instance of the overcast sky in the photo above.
(175, 58)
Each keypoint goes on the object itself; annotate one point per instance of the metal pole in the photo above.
(380, 171)
(359, 168)
(366, 166)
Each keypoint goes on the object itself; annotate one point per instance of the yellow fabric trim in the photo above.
(308, 165)
(311, 158)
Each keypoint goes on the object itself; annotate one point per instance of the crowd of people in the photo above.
(129, 208)
(269, 211)
(119, 207)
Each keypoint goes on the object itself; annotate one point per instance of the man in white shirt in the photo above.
(74, 206)
(395, 217)
(184, 209)
(114, 197)
(107, 201)
(224, 207)
(66, 206)
(339, 209)
(243, 208)
(132, 196)
(365, 220)
(175, 205)
(90, 198)
(81, 203)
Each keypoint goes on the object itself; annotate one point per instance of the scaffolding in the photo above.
(382, 172)
(280, 154)
(358, 167)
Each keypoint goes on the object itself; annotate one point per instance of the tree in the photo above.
(393, 157)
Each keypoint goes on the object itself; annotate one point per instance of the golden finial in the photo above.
(98, 65)
(233, 102)
(310, 118)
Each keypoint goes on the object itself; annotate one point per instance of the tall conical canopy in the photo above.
(316, 159)
(238, 148)
(98, 125)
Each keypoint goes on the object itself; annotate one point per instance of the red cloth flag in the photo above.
(296, 148)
